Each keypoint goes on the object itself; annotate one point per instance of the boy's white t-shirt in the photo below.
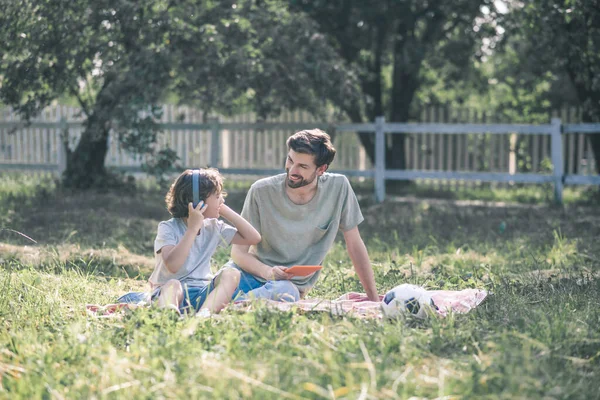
(196, 269)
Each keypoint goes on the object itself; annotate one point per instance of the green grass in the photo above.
(537, 336)
(485, 192)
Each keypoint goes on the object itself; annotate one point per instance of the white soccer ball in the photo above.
(407, 299)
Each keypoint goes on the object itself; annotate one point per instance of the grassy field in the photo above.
(537, 335)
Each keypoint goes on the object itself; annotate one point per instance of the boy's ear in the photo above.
(321, 170)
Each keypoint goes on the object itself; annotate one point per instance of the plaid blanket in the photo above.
(354, 304)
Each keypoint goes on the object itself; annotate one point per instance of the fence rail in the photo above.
(554, 130)
(445, 152)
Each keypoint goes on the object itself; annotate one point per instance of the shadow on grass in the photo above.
(412, 223)
(91, 219)
(108, 263)
(128, 219)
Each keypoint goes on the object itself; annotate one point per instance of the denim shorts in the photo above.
(250, 287)
(193, 296)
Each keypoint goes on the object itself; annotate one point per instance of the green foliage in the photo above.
(397, 49)
(548, 56)
(556, 40)
(120, 59)
(519, 86)
(162, 162)
(395, 46)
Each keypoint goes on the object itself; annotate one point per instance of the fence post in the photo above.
(63, 142)
(558, 165)
(379, 159)
(214, 142)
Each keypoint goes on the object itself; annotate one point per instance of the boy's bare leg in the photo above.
(225, 285)
(171, 295)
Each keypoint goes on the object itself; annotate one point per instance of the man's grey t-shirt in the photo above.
(295, 234)
(196, 269)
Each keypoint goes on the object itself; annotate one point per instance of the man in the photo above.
(298, 215)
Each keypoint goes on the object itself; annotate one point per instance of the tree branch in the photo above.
(82, 103)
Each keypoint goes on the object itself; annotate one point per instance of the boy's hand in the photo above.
(196, 216)
(279, 274)
(226, 212)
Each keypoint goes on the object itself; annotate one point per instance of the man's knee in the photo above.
(283, 291)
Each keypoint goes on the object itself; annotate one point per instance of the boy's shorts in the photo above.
(193, 296)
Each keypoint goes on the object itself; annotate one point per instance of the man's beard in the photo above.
(300, 183)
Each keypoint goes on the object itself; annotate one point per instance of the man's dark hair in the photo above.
(314, 142)
(180, 193)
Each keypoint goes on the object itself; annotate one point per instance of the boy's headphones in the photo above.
(195, 187)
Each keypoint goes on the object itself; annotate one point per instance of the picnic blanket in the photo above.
(358, 304)
(352, 304)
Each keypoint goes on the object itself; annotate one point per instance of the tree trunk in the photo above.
(85, 165)
(407, 63)
(408, 57)
(594, 139)
(372, 88)
(595, 143)
(590, 99)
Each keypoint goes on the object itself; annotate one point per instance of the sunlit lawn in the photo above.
(537, 335)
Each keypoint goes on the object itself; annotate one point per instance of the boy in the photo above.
(185, 244)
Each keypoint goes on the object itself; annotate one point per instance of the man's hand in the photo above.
(196, 216)
(278, 274)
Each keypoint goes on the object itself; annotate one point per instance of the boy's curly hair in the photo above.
(180, 193)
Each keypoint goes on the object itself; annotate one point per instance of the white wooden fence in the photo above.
(554, 130)
(446, 152)
(244, 143)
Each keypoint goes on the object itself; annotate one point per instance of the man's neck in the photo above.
(303, 194)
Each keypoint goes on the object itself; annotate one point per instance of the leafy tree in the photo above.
(393, 44)
(120, 59)
(565, 40)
